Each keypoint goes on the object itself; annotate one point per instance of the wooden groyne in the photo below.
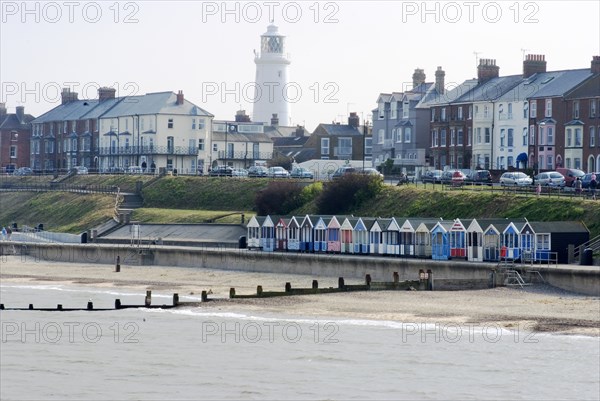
(118, 305)
(424, 283)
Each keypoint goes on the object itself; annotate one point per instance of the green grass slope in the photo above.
(58, 211)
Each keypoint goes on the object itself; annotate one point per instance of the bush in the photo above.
(347, 193)
(279, 197)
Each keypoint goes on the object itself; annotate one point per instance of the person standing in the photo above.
(3, 233)
(8, 233)
(593, 185)
(578, 186)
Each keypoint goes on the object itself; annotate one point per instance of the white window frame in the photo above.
(325, 146)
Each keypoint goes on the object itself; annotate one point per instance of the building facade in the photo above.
(15, 132)
(110, 134)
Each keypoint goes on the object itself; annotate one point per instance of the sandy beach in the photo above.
(538, 308)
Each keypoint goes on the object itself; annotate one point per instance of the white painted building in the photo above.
(272, 79)
(154, 131)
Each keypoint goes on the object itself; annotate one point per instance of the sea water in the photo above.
(206, 353)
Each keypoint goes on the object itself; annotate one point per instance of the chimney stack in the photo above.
(20, 111)
(354, 120)
(533, 64)
(2, 112)
(179, 101)
(418, 77)
(299, 131)
(106, 93)
(242, 117)
(487, 69)
(68, 96)
(439, 80)
(595, 65)
(274, 120)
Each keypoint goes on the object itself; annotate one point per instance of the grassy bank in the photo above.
(58, 211)
(223, 200)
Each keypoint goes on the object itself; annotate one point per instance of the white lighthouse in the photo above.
(272, 63)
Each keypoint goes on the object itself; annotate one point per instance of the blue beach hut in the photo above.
(440, 241)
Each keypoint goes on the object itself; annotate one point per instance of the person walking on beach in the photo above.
(593, 185)
(8, 233)
(3, 233)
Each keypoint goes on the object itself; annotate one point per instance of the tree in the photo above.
(347, 193)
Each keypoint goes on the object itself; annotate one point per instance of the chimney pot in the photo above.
(68, 96)
(533, 64)
(275, 120)
(354, 119)
(595, 68)
(439, 80)
(179, 101)
(418, 77)
(105, 93)
(487, 69)
(20, 112)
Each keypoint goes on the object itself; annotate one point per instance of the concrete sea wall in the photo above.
(581, 279)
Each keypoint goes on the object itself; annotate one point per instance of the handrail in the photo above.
(593, 244)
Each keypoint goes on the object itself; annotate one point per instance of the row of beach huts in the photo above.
(475, 240)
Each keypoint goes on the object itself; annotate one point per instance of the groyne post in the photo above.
(204, 296)
(175, 299)
(396, 278)
(315, 284)
(368, 280)
(117, 304)
(90, 305)
(259, 290)
(422, 280)
(148, 300)
(429, 280)
(232, 292)
(118, 265)
(341, 284)
(288, 287)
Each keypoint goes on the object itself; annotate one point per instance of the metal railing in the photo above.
(147, 150)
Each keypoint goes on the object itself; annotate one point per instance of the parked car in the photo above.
(278, 172)
(370, 171)
(454, 177)
(257, 171)
(515, 179)
(113, 170)
(239, 172)
(570, 175)
(80, 170)
(221, 171)
(550, 179)
(342, 171)
(479, 177)
(23, 171)
(587, 178)
(300, 172)
(433, 176)
(134, 170)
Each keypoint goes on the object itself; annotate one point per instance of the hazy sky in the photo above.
(344, 53)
